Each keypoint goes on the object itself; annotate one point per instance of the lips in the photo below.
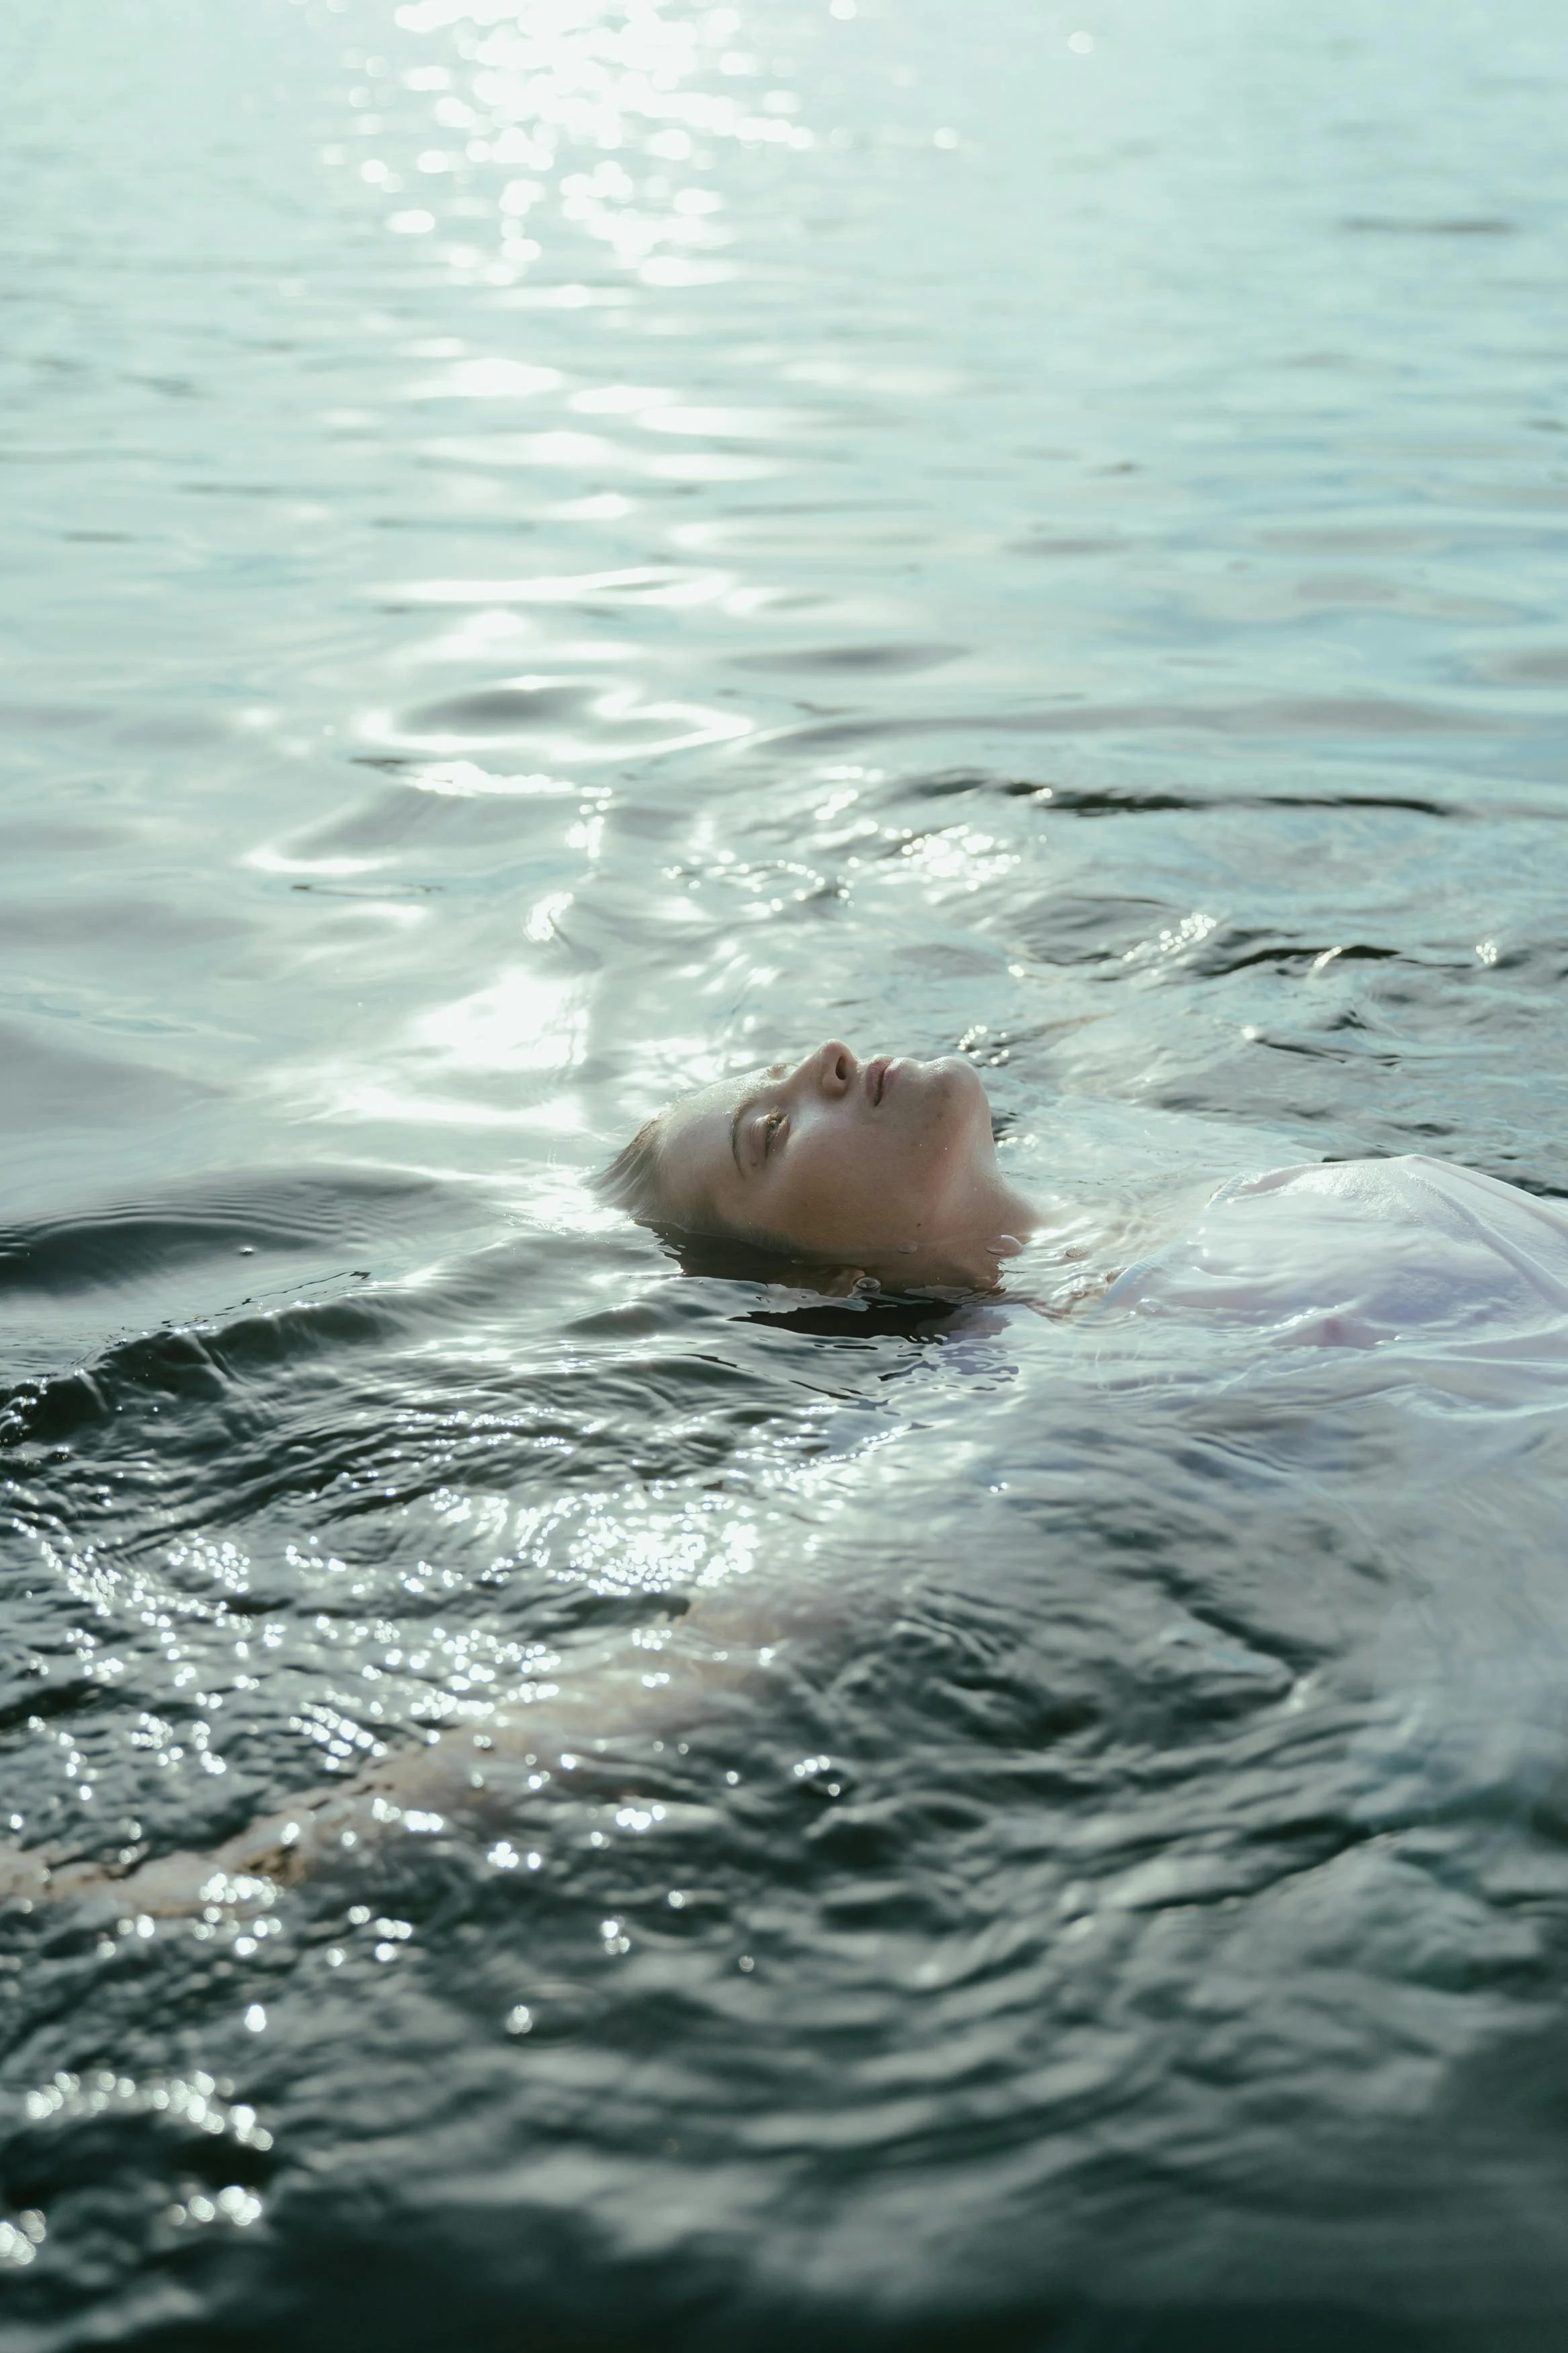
(878, 1073)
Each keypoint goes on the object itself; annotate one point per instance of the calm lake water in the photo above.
(554, 552)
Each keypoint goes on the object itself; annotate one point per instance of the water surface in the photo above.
(555, 553)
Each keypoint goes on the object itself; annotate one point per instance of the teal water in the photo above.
(554, 553)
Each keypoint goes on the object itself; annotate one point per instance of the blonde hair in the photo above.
(631, 1180)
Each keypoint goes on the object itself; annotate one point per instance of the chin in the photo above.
(962, 1085)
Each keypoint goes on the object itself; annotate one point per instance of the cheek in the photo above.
(856, 1185)
(840, 1180)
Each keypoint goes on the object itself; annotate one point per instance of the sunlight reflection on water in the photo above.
(559, 555)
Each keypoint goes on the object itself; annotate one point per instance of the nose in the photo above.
(833, 1068)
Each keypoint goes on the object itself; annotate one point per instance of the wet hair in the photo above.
(631, 1180)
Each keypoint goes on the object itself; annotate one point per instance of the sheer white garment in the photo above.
(1432, 1263)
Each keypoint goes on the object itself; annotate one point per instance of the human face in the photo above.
(871, 1163)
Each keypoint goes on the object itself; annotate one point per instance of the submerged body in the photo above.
(1438, 1275)
(1413, 1258)
(886, 1173)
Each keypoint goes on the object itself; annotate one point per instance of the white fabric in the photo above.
(1434, 1263)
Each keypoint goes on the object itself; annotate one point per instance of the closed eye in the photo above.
(773, 1121)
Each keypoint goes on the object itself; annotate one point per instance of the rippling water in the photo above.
(556, 552)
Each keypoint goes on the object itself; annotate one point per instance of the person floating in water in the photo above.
(839, 1173)
(834, 1173)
